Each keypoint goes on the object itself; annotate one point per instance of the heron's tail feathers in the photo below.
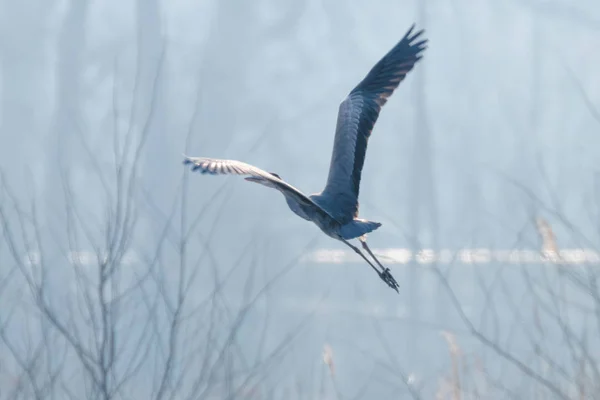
(358, 227)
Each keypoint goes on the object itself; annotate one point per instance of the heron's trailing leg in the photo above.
(357, 250)
(363, 241)
(384, 275)
(386, 271)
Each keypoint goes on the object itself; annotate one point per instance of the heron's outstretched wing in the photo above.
(216, 166)
(357, 116)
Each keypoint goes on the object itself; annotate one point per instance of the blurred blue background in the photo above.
(107, 240)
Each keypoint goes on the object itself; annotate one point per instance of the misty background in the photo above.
(122, 275)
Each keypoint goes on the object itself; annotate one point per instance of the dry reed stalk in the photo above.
(328, 358)
(549, 245)
(454, 356)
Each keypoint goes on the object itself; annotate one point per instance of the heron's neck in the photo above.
(297, 208)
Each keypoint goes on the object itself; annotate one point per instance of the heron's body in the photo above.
(352, 229)
(335, 209)
(316, 208)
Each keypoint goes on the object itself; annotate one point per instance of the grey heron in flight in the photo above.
(335, 209)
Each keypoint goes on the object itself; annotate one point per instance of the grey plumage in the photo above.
(335, 209)
(356, 117)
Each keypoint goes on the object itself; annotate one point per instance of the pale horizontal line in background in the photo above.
(391, 256)
(463, 256)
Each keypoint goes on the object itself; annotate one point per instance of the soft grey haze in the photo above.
(124, 276)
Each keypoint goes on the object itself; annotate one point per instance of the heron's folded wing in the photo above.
(215, 166)
(356, 117)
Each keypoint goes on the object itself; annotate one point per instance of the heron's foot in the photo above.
(387, 277)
